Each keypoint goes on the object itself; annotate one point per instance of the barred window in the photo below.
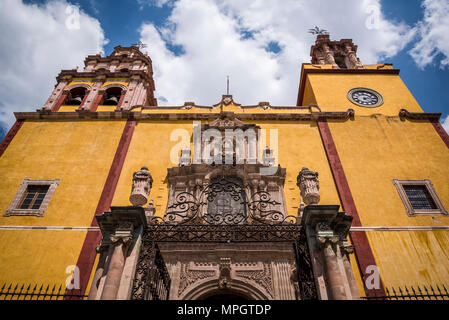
(32, 198)
(419, 197)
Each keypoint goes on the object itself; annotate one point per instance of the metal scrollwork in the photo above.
(224, 201)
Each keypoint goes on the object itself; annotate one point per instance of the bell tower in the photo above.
(340, 54)
(114, 83)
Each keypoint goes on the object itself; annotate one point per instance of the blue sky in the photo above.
(273, 37)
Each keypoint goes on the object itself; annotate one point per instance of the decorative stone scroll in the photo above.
(308, 183)
(141, 186)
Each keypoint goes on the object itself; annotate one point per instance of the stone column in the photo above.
(333, 274)
(326, 231)
(102, 250)
(118, 227)
(346, 250)
(115, 270)
(329, 56)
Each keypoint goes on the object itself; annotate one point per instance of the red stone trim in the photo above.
(10, 135)
(97, 101)
(87, 255)
(60, 101)
(362, 248)
(440, 130)
(84, 100)
(305, 72)
(122, 97)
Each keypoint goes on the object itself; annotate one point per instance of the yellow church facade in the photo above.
(341, 196)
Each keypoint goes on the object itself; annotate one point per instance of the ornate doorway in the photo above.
(224, 240)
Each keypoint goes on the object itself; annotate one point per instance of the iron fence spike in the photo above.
(445, 288)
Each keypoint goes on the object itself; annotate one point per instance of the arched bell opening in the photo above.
(112, 96)
(76, 96)
(340, 60)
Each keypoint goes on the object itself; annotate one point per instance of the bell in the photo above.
(111, 101)
(76, 100)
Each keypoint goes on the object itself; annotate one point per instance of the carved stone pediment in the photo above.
(226, 100)
(226, 119)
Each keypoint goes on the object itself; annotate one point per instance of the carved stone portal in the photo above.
(250, 270)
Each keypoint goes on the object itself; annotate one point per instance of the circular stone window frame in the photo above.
(380, 99)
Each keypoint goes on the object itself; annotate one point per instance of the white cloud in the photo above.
(433, 31)
(36, 43)
(151, 3)
(446, 124)
(231, 37)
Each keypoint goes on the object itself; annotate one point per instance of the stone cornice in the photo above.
(138, 115)
(405, 114)
(99, 58)
(67, 75)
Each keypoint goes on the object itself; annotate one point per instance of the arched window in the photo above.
(76, 96)
(112, 96)
(226, 201)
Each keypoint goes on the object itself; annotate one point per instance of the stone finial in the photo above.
(308, 183)
(141, 186)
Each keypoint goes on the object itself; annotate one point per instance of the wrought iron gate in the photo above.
(187, 221)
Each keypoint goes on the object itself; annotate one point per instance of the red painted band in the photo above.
(97, 102)
(119, 104)
(87, 255)
(362, 248)
(59, 102)
(440, 130)
(10, 135)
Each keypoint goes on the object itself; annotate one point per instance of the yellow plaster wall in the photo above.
(331, 90)
(44, 150)
(376, 149)
(298, 143)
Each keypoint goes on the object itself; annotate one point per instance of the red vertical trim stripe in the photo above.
(59, 102)
(97, 102)
(362, 248)
(119, 104)
(10, 135)
(87, 255)
(440, 130)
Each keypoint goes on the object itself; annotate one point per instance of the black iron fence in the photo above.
(39, 292)
(437, 292)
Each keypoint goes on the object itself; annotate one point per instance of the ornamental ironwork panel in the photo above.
(225, 201)
(224, 211)
(306, 279)
(221, 233)
(151, 280)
